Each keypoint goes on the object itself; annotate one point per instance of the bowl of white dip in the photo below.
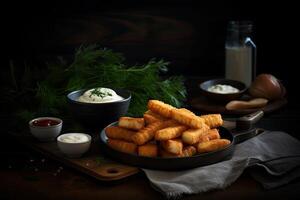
(74, 145)
(223, 90)
(96, 107)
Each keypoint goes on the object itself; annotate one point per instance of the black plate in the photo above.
(171, 163)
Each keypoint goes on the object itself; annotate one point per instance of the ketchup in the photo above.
(45, 122)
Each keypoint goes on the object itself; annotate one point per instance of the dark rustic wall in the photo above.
(188, 33)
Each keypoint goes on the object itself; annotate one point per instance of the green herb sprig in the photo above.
(94, 67)
(99, 93)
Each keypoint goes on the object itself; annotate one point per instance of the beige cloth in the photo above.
(273, 159)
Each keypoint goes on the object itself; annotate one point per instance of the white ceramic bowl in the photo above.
(72, 148)
(48, 132)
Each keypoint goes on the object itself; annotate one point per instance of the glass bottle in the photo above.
(240, 52)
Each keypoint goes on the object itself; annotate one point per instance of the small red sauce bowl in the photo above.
(45, 128)
(45, 122)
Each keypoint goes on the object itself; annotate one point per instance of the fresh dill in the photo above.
(94, 67)
(99, 93)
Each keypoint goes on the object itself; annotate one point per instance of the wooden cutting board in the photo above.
(93, 163)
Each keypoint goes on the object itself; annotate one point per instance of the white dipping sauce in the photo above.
(223, 89)
(74, 138)
(99, 95)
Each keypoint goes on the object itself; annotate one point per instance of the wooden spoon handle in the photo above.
(254, 103)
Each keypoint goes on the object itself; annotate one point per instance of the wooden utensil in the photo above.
(253, 103)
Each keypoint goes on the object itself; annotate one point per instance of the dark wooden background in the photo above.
(188, 33)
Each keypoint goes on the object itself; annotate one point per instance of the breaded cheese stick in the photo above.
(170, 132)
(188, 151)
(116, 132)
(203, 138)
(212, 134)
(148, 150)
(131, 123)
(172, 146)
(164, 154)
(192, 136)
(170, 123)
(212, 120)
(147, 133)
(186, 118)
(186, 111)
(212, 145)
(120, 145)
(160, 108)
(149, 119)
(159, 117)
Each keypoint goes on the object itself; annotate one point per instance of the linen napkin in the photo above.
(276, 153)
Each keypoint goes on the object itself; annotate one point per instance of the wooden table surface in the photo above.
(26, 174)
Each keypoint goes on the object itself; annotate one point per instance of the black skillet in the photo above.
(235, 136)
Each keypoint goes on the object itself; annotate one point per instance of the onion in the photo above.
(267, 86)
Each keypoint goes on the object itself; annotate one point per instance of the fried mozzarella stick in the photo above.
(212, 134)
(165, 154)
(203, 138)
(170, 132)
(186, 111)
(147, 133)
(188, 151)
(172, 146)
(119, 145)
(170, 122)
(116, 132)
(157, 116)
(149, 119)
(212, 145)
(212, 120)
(131, 123)
(192, 136)
(148, 150)
(160, 108)
(187, 118)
